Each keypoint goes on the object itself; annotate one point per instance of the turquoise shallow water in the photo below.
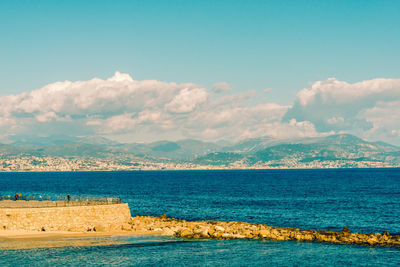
(366, 200)
(163, 251)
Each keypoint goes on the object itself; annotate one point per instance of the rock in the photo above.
(346, 230)
(372, 240)
(186, 232)
(219, 228)
(263, 233)
(274, 232)
(211, 231)
(168, 231)
(248, 234)
(203, 232)
(239, 230)
(218, 234)
(385, 238)
(386, 233)
(308, 237)
(238, 236)
(226, 235)
(163, 216)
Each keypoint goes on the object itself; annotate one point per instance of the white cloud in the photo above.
(187, 100)
(385, 120)
(363, 108)
(116, 95)
(335, 120)
(221, 87)
(118, 123)
(147, 109)
(396, 133)
(333, 90)
(46, 117)
(153, 110)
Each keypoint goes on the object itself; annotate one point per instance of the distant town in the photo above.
(96, 164)
(336, 151)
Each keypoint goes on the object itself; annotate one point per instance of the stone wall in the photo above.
(77, 218)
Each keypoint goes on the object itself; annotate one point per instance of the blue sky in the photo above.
(283, 45)
(249, 45)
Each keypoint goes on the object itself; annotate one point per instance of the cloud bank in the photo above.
(134, 111)
(369, 109)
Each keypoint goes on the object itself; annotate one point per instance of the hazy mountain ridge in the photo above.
(264, 151)
(332, 148)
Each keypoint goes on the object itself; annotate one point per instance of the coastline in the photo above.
(18, 239)
(21, 234)
(163, 226)
(200, 169)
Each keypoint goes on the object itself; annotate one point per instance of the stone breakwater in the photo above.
(242, 230)
(73, 219)
(117, 217)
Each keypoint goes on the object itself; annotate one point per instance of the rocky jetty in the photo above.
(242, 230)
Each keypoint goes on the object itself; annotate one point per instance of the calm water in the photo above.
(364, 200)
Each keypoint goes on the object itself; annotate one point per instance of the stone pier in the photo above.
(116, 217)
(75, 218)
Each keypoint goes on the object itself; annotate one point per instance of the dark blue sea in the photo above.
(364, 200)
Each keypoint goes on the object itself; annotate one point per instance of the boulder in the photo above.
(264, 233)
(168, 231)
(386, 233)
(211, 231)
(186, 232)
(219, 228)
(346, 230)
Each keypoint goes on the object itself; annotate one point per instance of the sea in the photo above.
(364, 200)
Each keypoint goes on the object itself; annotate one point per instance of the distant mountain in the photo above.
(98, 140)
(252, 145)
(58, 140)
(219, 158)
(334, 148)
(34, 140)
(264, 151)
(180, 150)
(77, 150)
(10, 150)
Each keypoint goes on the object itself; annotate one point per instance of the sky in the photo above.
(139, 71)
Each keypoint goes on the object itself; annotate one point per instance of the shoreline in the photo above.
(205, 169)
(163, 226)
(20, 234)
(220, 230)
(15, 240)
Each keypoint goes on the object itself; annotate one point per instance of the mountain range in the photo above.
(265, 151)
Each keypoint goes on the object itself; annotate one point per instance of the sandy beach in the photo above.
(18, 239)
(21, 234)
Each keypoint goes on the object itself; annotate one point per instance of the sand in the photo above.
(11, 239)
